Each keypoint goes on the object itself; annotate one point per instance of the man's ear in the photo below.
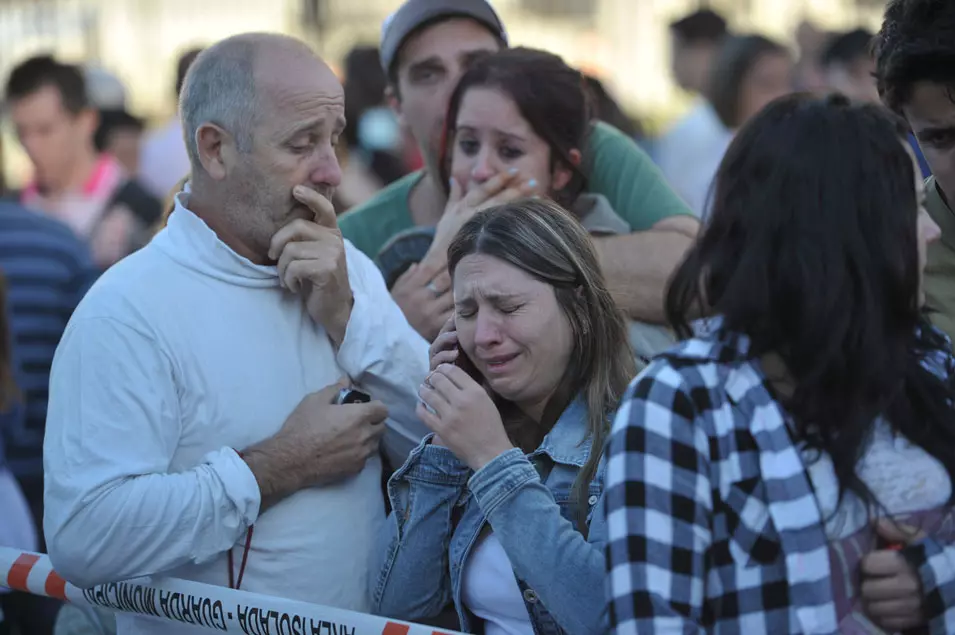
(393, 97)
(215, 148)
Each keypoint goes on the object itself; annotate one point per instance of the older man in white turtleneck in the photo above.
(191, 395)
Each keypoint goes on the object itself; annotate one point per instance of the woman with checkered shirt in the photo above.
(789, 469)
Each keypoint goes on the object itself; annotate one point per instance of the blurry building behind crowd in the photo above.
(625, 43)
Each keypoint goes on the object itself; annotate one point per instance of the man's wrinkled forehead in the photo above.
(298, 77)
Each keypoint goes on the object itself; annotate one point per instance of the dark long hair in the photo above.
(812, 252)
(551, 96)
(8, 389)
(547, 243)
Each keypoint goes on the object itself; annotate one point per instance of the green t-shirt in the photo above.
(616, 167)
(940, 261)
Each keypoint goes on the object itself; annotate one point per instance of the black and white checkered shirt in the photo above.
(712, 521)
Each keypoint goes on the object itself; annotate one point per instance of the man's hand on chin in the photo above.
(311, 263)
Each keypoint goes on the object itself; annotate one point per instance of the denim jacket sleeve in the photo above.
(546, 550)
(414, 580)
(936, 567)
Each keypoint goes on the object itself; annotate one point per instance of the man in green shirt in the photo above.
(915, 70)
(426, 46)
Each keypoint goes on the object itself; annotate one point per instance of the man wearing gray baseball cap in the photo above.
(426, 45)
(412, 16)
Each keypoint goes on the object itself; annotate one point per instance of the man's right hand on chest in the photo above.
(320, 443)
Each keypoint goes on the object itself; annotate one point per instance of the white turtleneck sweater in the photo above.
(178, 354)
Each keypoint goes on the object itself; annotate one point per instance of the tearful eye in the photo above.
(509, 154)
(469, 147)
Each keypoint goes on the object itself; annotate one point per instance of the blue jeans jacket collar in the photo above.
(568, 442)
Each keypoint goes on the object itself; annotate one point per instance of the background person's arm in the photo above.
(112, 510)
(637, 266)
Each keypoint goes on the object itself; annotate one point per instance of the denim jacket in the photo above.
(441, 506)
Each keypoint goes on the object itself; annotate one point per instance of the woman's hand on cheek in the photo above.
(460, 412)
(467, 199)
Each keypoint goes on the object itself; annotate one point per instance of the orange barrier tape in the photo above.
(197, 604)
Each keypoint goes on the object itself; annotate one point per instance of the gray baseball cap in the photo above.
(414, 13)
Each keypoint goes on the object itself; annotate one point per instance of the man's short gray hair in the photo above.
(220, 89)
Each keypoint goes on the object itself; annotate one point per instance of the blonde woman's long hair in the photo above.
(542, 239)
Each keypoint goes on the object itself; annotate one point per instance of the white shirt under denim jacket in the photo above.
(441, 508)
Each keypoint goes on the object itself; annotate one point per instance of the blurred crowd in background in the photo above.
(723, 66)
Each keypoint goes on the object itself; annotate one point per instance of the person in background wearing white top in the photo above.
(500, 511)
(163, 160)
(695, 41)
(183, 405)
(749, 72)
